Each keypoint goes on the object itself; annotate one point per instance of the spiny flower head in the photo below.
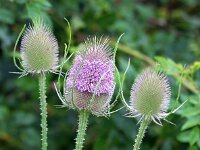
(92, 73)
(39, 48)
(150, 94)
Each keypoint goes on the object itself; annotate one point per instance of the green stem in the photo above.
(140, 135)
(43, 107)
(82, 126)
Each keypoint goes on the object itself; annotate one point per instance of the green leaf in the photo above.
(77, 23)
(169, 65)
(3, 113)
(194, 135)
(190, 136)
(183, 136)
(191, 122)
(44, 3)
(198, 143)
(193, 148)
(195, 66)
(21, 118)
(38, 10)
(190, 111)
(6, 16)
(20, 1)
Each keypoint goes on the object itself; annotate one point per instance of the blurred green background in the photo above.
(162, 31)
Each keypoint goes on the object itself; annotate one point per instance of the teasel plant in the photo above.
(39, 56)
(89, 85)
(149, 100)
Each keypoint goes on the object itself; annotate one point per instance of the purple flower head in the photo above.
(150, 95)
(92, 72)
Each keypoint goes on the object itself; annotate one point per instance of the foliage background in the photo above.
(163, 31)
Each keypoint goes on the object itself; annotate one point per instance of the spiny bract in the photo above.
(93, 65)
(39, 49)
(150, 94)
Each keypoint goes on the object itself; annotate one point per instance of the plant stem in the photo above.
(140, 135)
(43, 107)
(82, 126)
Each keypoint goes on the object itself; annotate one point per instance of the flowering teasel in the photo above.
(90, 83)
(150, 95)
(39, 54)
(91, 76)
(149, 100)
(39, 49)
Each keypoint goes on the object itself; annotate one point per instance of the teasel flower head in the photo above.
(150, 95)
(90, 83)
(39, 48)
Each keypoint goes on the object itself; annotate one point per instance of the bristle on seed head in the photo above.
(39, 48)
(150, 94)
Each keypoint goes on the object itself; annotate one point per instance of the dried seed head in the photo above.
(39, 49)
(150, 94)
(93, 65)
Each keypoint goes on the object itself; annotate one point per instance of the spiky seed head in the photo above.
(93, 65)
(150, 94)
(39, 48)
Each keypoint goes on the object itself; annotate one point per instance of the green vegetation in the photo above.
(164, 33)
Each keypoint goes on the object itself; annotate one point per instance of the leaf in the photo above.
(30, 132)
(38, 10)
(190, 111)
(77, 23)
(44, 3)
(6, 16)
(194, 135)
(198, 144)
(195, 66)
(183, 136)
(169, 65)
(20, 1)
(21, 118)
(191, 122)
(3, 113)
(190, 136)
(193, 148)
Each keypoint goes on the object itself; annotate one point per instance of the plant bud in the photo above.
(150, 94)
(39, 49)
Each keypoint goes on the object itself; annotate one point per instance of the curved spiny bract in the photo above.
(39, 49)
(91, 74)
(150, 95)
